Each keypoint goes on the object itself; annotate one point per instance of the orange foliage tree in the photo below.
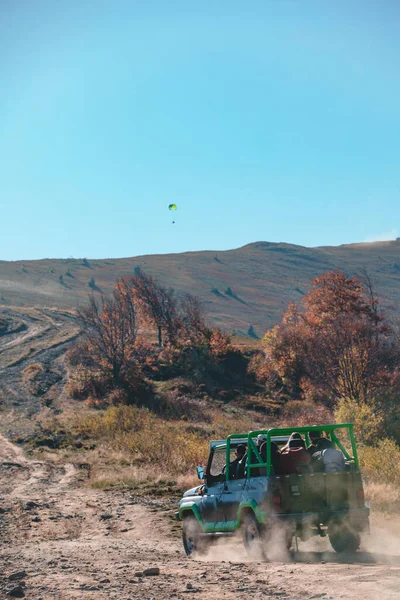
(113, 357)
(338, 346)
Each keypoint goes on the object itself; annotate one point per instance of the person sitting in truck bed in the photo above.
(314, 436)
(327, 459)
(275, 458)
(295, 459)
(294, 436)
(256, 472)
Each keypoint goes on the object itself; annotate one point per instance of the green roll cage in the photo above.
(252, 451)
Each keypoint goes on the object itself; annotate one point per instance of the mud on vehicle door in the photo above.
(215, 481)
(230, 500)
(210, 503)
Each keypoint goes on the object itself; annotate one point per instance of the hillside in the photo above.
(248, 286)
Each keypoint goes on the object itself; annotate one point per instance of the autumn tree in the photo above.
(285, 353)
(110, 330)
(339, 343)
(192, 321)
(157, 305)
(177, 318)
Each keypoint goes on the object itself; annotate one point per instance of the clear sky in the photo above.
(266, 120)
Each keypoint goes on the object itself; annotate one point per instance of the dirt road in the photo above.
(61, 539)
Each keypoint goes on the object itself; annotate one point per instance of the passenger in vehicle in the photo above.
(241, 468)
(295, 459)
(275, 454)
(236, 466)
(256, 472)
(314, 436)
(260, 440)
(328, 459)
(294, 436)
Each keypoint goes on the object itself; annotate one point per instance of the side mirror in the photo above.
(200, 472)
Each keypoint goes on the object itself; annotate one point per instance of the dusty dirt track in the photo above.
(75, 542)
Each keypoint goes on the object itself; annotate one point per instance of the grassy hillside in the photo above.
(247, 286)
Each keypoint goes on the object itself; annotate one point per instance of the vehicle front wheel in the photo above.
(342, 539)
(252, 535)
(192, 539)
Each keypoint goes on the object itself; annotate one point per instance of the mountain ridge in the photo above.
(250, 285)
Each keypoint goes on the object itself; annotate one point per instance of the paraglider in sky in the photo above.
(172, 207)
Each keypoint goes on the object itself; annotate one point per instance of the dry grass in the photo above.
(384, 497)
(146, 439)
(137, 449)
(31, 371)
(142, 480)
(111, 469)
(381, 464)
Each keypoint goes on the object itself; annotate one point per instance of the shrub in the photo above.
(146, 438)
(79, 355)
(384, 497)
(216, 291)
(31, 371)
(302, 413)
(185, 407)
(368, 422)
(251, 333)
(389, 409)
(381, 463)
(84, 382)
(117, 396)
(224, 426)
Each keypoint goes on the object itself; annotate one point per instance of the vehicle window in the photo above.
(218, 461)
(233, 457)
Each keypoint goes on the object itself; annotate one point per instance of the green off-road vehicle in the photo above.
(259, 502)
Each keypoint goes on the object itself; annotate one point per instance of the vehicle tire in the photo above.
(193, 541)
(342, 539)
(253, 536)
(289, 539)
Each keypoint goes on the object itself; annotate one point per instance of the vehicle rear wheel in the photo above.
(252, 534)
(193, 540)
(342, 539)
(289, 539)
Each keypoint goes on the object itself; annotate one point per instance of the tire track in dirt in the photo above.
(79, 542)
(45, 339)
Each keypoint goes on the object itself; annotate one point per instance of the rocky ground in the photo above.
(62, 539)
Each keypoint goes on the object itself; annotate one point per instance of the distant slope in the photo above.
(247, 286)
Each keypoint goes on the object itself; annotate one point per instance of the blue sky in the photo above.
(273, 120)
